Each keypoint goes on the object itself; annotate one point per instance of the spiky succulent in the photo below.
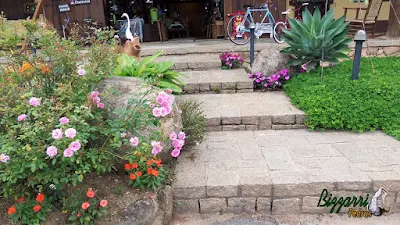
(316, 39)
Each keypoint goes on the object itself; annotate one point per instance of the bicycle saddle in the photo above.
(247, 6)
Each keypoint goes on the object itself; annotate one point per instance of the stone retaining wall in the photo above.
(221, 87)
(256, 123)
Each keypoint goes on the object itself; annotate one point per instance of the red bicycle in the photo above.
(284, 25)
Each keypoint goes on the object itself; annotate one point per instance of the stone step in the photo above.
(193, 61)
(249, 111)
(217, 81)
(285, 171)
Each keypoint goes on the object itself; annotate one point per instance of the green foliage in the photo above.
(315, 37)
(369, 103)
(158, 74)
(193, 122)
(30, 211)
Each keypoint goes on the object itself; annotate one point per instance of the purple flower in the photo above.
(51, 151)
(173, 136)
(251, 75)
(81, 72)
(35, 102)
(68, 153)
(4, 158)
(57, 133)
(70, 133)
(63, 120)
(157, 112)
(134, 141)
(157, 147)
(22, 117)
(181, 136)
(75, 146)
(287, 78)
(175, 153)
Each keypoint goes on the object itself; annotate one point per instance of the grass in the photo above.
(372, 102)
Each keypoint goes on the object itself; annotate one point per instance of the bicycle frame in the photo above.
(268, 14)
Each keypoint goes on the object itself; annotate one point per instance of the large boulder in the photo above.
(270, 60)
(118, 91)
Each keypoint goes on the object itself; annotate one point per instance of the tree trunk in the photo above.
(394, 26)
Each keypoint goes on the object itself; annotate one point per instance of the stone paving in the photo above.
(217, 81)
(193, 62)
(284, 171)
(249, 111)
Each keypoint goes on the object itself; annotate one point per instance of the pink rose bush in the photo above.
(177, 142)
(270, 81)
(95, 97)
(35, 102)
(163, 106)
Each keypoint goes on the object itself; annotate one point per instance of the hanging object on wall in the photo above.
(80, 2)
(64, 8)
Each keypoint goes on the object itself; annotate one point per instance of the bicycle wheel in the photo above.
(279, 31)
(238, 32)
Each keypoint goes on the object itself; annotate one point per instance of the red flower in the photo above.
(79, 215)
(149, 171)
(40, 197)
(11, 210)
(139, 174)
(90, 193)
(132, 176)
(154, 173)
(85, 205)
(36, 208)
(135, 165)
(22, 199)
(158, 162)
(150, 162)
(128, 166)
(103, 203)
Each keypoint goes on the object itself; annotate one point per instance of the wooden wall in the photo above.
(13, 9)
(235, 5)
(94, 11)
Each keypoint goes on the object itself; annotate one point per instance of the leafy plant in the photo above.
(85, 209)
(192, 122)
(369, 103)
(231, 61)
(158, 74)
(30, 211)
(315, 39)
(270, 81)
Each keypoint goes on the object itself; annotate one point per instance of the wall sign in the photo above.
(64, 8)
(80, 2)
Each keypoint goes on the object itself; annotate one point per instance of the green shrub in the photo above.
(369, 103)
(192, 122)
(158, 74)
(315, 37)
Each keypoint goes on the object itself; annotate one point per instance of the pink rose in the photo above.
(156, 112)
(81, 72)
(63, 120)
(181, 136)
(51, 151)
(157, 147)
(134, 141)
(22, 117)
(100, 105)
(68, 153)
(70, 133)
(175, 153)
(75, 146)
(57, 134)
(96, 100)
(164, 112)
(94, 94)
(172, 136)
(35, 102)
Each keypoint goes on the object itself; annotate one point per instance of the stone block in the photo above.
(251, 120)
(215, 121)
(240, 204)
(229, 120)
(244, 90)
(213, 205)
(281, 127)
(298, 126)
(264, 205)
(256, 190)
(300, 119)
(205, 87)
(192, 65)
(244, 85)
(228, 91)
(213, 128)
(188, 192)
(286, 119)
(181, 66)
(216, 87)
(265, 123)
(186, 206)
(251, 127)
(192, 88)
(286, 206)
(310, 205)
(222, 191)
(228, 86)
(391, 50)
(233, 127)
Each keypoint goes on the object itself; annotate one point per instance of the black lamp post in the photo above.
(252, 27)
(359, 38)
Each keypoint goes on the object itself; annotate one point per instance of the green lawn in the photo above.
(369, 103)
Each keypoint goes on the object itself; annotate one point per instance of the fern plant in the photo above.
(193, 122)
(316, 39)
(157, 74)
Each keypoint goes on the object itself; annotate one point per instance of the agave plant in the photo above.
(158, 74)
(316, 39)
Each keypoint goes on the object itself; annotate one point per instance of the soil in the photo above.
(113, 186)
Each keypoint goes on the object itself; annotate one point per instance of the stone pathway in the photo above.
(284, 171)
(249, 111)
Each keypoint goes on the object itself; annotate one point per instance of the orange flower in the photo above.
(149, 171)
(128, 166)
(40, 197)
(44, 68)
(132, 176)
(90, 193)
(135, 165)
(36, 208)
(85, 205)
(139, 174)
(11, 210)
(158, 162)
(154, 173)
(26, 66)
(150, 162)
(22, 199)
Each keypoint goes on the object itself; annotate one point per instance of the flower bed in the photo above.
(231, 61)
